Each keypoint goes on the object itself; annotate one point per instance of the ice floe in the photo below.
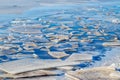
(79, 57)
(72, 39)
(25, 65)
(57, 54)
(101, 73)
(30, 74)
(111, 43)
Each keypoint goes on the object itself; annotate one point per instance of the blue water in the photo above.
(78, 17)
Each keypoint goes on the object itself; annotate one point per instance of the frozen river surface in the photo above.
(62, 36)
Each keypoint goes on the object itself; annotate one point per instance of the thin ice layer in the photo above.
(112, 58)
(79, 57)
(25, 65)
(98, 73)
(35, 73)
